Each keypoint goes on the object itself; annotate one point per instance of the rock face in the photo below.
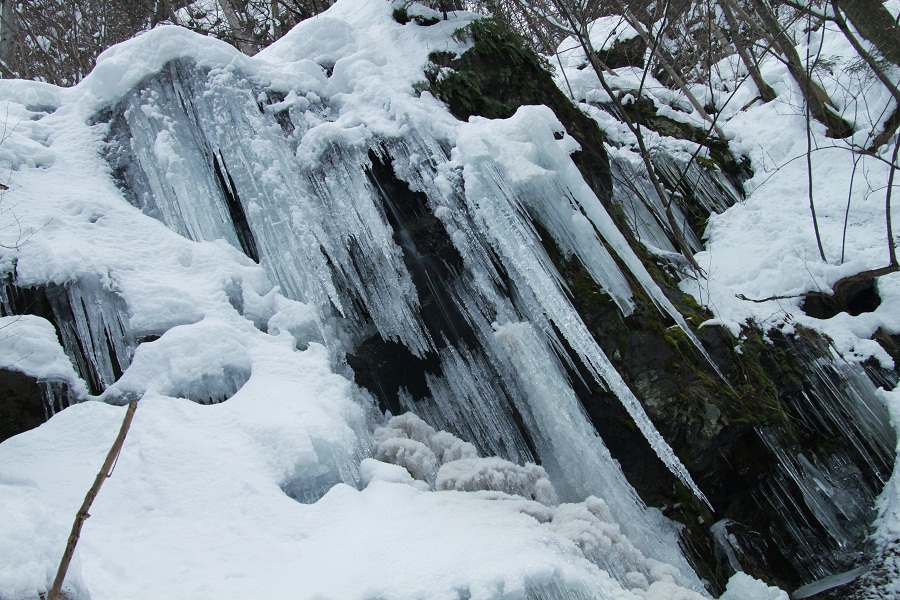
(26, 401)
(785, 415)
(22, 403)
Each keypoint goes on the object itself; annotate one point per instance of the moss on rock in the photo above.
(497, 75)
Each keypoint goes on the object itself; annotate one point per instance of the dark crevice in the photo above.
(26, 402)
(22, 403)
(50, 303)
(283, 116)
(15, 300)
(110, 348)
(385, 367)
(430, 257)
(855, 299)
(235, 209)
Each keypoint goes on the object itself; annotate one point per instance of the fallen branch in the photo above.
(839, 289)
(81, 517)
(770, 298)
(842, 285)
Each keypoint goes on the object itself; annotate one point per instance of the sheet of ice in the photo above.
(569, 446)
(94, 328)
(887, 525)
(471, 398)
(483, 146)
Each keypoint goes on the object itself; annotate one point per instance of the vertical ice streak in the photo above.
(94, 329)
(565, 434)
(499, 215)
(508, 280)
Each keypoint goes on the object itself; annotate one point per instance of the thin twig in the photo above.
(770, 298)
(83, 514)
(809, 169)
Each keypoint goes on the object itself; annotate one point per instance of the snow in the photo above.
(604, 33)
(742, 585)
(28, 344)
(766, 246)
(201, 481)
(773, 136)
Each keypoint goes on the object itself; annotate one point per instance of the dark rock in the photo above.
(855, 299)
(733, 436)
(22, 403)
(625, 53)
(384, 367)
(497, 75)
(714, 426)
(743, 437)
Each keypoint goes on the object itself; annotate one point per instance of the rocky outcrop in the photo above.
(22, 403)
(780, 418)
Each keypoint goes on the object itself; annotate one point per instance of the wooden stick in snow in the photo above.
(83, 514)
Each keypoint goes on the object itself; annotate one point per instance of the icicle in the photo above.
(565, 437)
(554, 590)
(610, 233)
(56, 396)
(727, 543)
(471, 400)
(170, 174)
(333, 464)
(642, 206)
(498, 216)
(710, 187)
(95, 331)
(318, 229)
(323, 233)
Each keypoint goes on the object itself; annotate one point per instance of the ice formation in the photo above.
(220, 236)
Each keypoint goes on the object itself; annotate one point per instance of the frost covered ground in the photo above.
(295, 486)
(765, 246)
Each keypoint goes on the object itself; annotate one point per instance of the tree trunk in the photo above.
(873, 21)
(162, 11)
(9, 40)
(817, 99)
(891, 124)
(241, 27)
(765, 91)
